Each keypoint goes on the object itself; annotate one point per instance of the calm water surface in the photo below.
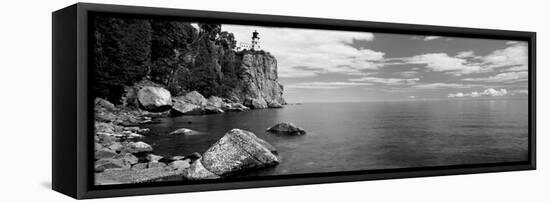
(363, 136)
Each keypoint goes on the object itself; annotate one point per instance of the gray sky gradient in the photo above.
(339, 66)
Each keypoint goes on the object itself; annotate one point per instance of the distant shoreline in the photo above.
(415, 100)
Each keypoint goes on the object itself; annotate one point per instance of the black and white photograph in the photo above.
(186, 101)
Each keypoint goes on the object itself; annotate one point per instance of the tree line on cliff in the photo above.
(172, 53)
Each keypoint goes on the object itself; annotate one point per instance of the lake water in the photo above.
(364, 136)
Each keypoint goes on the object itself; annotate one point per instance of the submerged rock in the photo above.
(286, 128)
(237, 152)
(154, 98)
(183, 131)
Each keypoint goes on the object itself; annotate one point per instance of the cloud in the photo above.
(324, 51)
(491, 92)
(444, 85)
(387, 81)
(442, 62)
(408, 74)
(520, 92)
(326, 85)
(429, 38)
(514, 55)
(507, 77)
(465, 54)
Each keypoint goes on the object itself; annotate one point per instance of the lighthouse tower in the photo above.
(255, 41)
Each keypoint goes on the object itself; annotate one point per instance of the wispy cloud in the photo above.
(507, 77)
(326, 85)
(429, 38)
(444, 85)
(387, 81)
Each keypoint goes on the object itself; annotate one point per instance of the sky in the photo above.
(340, 66)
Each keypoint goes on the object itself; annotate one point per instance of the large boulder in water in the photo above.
(286, 128)
(238, 151)
(154, 98)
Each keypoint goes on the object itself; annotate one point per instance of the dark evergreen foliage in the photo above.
(171, 53)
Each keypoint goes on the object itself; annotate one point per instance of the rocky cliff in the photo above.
(259, 81)
(180, 58)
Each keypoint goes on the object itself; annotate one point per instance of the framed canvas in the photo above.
(157, 100)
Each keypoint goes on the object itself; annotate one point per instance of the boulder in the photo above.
(195, 98)
(181, 107)
(183, 131)
(274, 105)
(154, 98)
(197, 171)
(105, 116)
(116, 146)
(255, 103)
(179, 164)
(137, 147)
(102, 103)
(97, 146)
(102, 164)
(215, 101)
(238, 151)
(212, 110)
(104, 153)
(177, 158)
(153, 158)
(131, 175)
(128, 158)
(286, 128)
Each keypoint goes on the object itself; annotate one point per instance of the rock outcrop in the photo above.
(259, 81)
(286, 128)
(236, 152)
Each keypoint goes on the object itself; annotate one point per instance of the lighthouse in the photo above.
(255, 41)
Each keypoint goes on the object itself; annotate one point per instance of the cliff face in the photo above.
(259, 81)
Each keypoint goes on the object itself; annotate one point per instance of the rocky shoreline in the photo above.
(121, 157)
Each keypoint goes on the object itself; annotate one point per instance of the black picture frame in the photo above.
(73, 111)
